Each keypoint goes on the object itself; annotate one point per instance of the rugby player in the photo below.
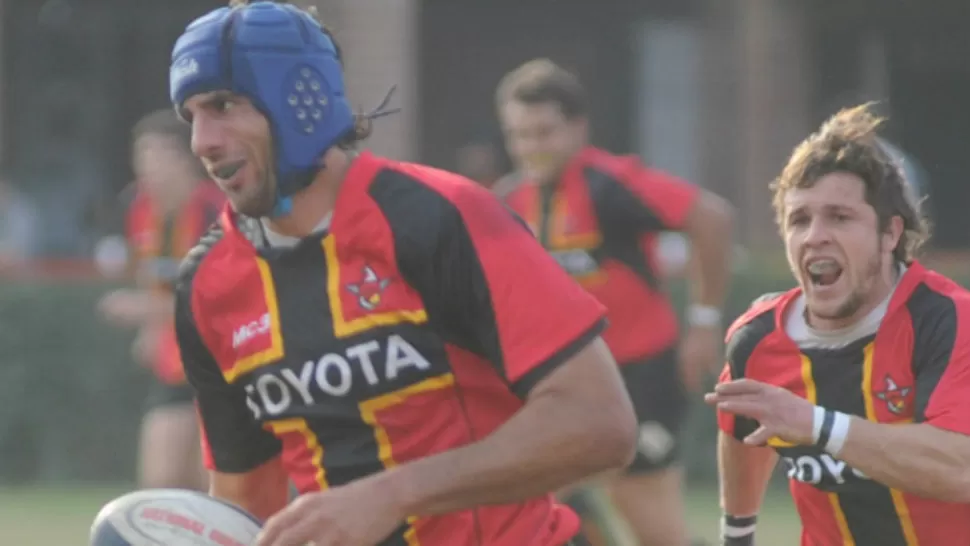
(172, 207)
(600, 216)
(859, 379)
(387, 335)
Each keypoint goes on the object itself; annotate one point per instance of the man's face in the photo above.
(835, 248)
(162, 167)
(234, 142)
(539, 138)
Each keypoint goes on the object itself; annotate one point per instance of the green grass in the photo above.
(62, 516)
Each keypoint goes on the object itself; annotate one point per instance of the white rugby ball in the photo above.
(172, 517)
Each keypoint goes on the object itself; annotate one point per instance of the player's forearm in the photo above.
(919, 459)
(547, 445)
(710, 231)
(262, 492)
(744, 474)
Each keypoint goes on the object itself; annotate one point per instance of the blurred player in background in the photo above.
(172, 206)
(600, 216)
(860, 377)
(386, 334)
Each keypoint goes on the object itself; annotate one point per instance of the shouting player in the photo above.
(600, 216)
(172, 208)
(860, 377)
(385, 334)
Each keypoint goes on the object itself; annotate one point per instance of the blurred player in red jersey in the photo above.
(172, 207)
(600, 216)
(385, 334)
(860, 377)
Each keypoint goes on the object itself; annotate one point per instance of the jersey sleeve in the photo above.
(488, 284)
(645, 200)
(741, 348)
(942, 369)
(232, 440)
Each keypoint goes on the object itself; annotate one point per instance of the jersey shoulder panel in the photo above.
(754, 326)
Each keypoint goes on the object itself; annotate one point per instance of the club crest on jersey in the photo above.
(369, 289)
(893, 395)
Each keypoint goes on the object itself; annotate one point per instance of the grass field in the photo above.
(61, 516)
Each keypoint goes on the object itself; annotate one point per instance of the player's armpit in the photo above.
(262, 491)
(919, 459)
(577, 422)
(744, 472)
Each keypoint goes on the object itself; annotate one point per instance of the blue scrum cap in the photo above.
(282, 60)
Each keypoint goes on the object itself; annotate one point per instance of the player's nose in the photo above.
(208, 138)
(817, 233)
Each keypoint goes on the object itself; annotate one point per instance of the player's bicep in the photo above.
(232, 439)
(942, 371)
(588, 386)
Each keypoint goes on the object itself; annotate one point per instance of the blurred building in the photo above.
(716, 91)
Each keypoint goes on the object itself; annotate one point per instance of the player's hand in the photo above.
(700, 352)
(361, 513)
(781, 413)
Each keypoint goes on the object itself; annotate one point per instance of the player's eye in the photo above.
(223, 105)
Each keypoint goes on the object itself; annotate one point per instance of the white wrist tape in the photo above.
(830, 430)
(738, 531)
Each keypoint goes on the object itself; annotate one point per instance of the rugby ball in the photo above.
(172, 517)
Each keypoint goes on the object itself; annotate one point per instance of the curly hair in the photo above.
(848, 142)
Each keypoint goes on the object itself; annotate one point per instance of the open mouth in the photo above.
(823, 272)
(226, 171)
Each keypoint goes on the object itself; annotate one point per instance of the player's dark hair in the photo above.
(848, 143)
(164, 123)
(542, 81)
(363, 126)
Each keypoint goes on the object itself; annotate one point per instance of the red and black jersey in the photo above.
(601, 222)
(914, 369)
(417, 323)
(158, 242)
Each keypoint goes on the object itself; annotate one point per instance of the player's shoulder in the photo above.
(605, 162)
(612, 175)
(414, 196)
(760, 320)
(212, 241)
(933, 300)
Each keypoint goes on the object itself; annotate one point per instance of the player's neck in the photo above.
(312, 205)
(175, 201)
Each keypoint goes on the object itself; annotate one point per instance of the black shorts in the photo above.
(163, 395)
(660, 401)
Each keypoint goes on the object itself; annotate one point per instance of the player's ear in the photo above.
(894, 231)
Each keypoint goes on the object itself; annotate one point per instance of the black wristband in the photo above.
(825, 433)
(738, 531)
